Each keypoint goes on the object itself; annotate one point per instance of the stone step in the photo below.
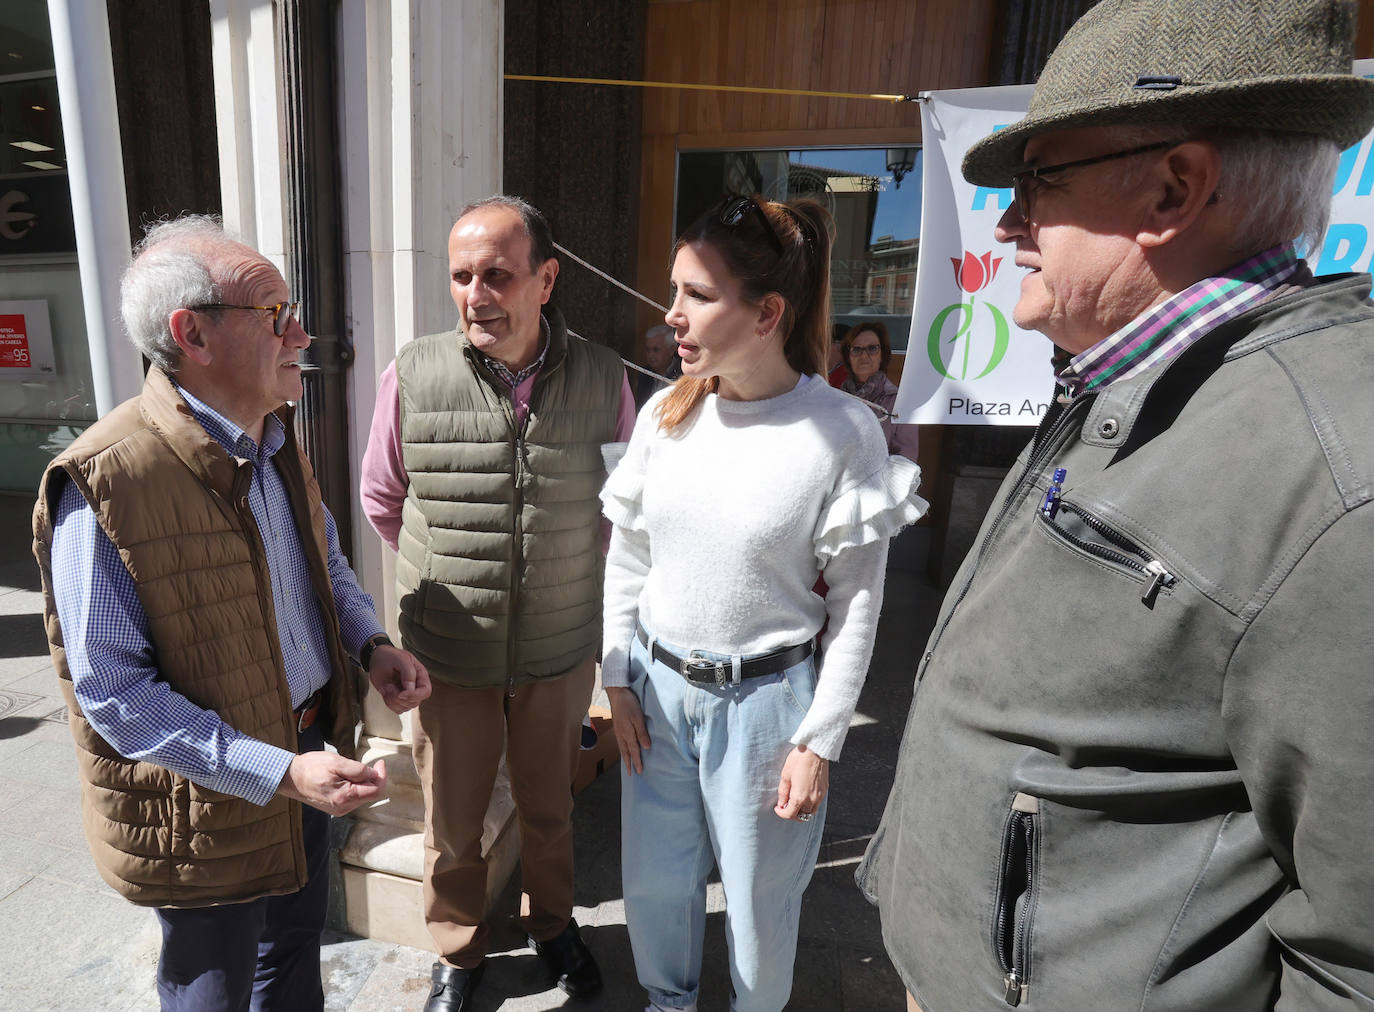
(381, 877)
(382, 860)
(400, 763)
(403, 806)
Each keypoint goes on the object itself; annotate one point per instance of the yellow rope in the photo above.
(712, 87)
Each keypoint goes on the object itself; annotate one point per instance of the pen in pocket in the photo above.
(1051, 504)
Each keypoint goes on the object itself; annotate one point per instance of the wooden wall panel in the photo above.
(890, 46)
(887, 46)
(1364, 32)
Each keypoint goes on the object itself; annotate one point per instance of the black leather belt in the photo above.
(701, 670)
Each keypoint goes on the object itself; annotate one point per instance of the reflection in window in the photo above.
(46, 394)
(878, 225)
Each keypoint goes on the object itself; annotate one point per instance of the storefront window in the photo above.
(46, 394)
(872, 193)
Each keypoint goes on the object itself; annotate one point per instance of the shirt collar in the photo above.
(229, 435)
(514, 379)
(1162, 332)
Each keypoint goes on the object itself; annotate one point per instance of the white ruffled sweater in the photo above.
(721, 531)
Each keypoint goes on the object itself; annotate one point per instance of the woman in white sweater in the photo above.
(740, 485)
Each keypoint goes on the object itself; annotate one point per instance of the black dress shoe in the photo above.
(451, 988)
(571, 962)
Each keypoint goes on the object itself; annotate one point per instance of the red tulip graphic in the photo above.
(974, 273)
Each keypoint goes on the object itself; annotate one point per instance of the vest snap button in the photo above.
(1108, 428)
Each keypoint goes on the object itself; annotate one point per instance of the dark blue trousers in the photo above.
(262, 955)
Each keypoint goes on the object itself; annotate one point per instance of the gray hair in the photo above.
(660, 331)
(1277, 183)
(536, 225)
(170, 271)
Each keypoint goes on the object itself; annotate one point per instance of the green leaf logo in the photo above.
(967, 335)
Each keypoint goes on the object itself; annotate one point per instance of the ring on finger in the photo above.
(806, 816)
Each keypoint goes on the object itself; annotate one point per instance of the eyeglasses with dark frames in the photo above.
(1021, 183)
(865, 349)
(282, 313)
(734, 209)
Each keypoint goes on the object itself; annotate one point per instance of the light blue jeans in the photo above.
(706, 796)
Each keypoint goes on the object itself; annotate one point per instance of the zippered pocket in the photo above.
(1014, 908)
(1095, 537)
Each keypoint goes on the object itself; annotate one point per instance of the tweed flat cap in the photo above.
(1263, 64)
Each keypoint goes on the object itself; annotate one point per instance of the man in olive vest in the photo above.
(482, 470)
(202, 620)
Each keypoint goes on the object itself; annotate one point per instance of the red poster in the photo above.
(14, 342)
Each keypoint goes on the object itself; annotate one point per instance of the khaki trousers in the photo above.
(459, 734)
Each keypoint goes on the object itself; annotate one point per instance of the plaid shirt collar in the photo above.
(235, 441)
(1163, 332)
(514, 379)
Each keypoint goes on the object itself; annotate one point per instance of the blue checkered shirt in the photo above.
(114, 665)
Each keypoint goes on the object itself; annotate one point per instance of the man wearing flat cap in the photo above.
(1137, 771)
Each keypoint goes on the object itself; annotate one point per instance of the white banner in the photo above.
(1348, 245)
(967, 363)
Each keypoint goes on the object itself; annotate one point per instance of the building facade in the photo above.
(341, 137)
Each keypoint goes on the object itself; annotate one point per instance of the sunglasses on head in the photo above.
(282, 313)
(734, 210)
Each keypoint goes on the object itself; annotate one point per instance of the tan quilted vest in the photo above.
(499, 573)
(175, 505)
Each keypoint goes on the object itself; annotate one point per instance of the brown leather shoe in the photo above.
(571, 962)
(451, 987)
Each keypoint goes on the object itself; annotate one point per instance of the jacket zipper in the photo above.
(1131, 556)
(1015, 902)
(507, 403)
(522, 475)
(1049, 436)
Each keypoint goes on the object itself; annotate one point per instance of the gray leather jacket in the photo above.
(1138, 771)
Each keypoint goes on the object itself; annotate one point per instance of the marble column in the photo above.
(420, 96)
(421, 127)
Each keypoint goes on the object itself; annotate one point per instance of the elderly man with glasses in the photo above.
(1135, 771)
(204, 624)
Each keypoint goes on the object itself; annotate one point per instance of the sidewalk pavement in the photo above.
(67, 941)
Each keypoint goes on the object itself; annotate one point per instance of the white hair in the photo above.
(1276, 184)
(170, 271)
(660, 331)
(1281, 184)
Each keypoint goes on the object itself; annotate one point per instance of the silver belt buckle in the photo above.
(695, 661)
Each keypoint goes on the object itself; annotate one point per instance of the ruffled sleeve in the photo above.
(622, 497)
(875, 507)
(628, 560)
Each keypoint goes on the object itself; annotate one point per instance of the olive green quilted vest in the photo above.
(499, 572)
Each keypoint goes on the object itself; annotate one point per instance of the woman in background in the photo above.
(740, 485)
(867, 351)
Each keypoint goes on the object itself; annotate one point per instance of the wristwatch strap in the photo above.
(365, 654)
